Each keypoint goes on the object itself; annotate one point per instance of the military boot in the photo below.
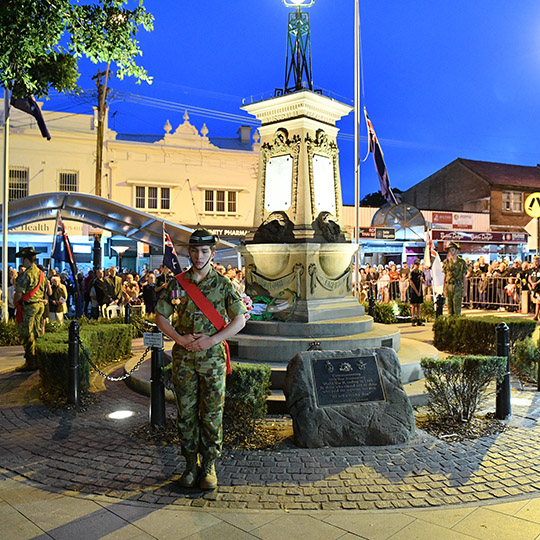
(191, 472)
(208, 475)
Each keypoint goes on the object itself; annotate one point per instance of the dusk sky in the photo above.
(441, 79)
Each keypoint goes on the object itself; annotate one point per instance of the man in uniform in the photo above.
(454, 268)
(29, 295)
(533, 281)
(199, 358)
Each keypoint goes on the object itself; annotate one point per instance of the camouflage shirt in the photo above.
(28, 280)
(454, 271)
(190, 320)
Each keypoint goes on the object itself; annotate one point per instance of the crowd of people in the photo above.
(497, 285)
(104, 288)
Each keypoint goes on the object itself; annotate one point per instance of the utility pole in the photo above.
(102, 79)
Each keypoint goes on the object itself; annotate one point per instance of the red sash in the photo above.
(26, 297)
(207, 308)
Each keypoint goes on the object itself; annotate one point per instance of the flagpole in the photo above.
(5, 214)
(357, 144)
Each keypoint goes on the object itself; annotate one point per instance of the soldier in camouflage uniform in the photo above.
(454, 268)
(32, 309)
(199, 359)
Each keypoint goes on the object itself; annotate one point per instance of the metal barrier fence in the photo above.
(494, 292)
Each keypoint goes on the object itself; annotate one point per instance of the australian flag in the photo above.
(378, 157)
(61, 251)
(170, 257)
(28, 105)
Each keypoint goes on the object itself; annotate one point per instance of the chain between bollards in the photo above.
(73, 355)
(157, 388)
(503, 407)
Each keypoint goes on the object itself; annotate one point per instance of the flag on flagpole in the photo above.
(28, 105)
(433, 260)
(380, 166)
(170, 257)
(61, 251)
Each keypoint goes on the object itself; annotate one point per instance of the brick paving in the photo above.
(87, 453)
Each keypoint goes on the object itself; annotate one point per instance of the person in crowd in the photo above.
(416, 281)
(394, 282)
(11, 292)
(29, 294)
(113, 286)
(57, 300)
(162, 280)
(383, 286)
(130, 289)
(238, 282)
(199, 358)
(98, 294)
(454, 269)
(534, 285)
(473, 279)
(482, 265)
(427, 287)
(87, 285)
(404, 282)
(372, 280)
(149, 293)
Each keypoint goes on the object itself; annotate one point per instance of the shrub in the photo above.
(104, 343)
(9, 335)
(383, 313)
(428, 310)
(248, 386)
(524, 359)
(477, 335)
(404, 309)
(458, 384)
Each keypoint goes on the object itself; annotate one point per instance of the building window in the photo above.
(18, 183)
(219, 201)
(152, 198)
(68, 181)
(512, 201)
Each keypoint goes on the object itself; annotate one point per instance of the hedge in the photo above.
(105, 344)
(477, 335)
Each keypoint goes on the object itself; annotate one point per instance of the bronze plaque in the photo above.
(341, 381)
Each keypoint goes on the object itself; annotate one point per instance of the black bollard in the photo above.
(440, 304)
(127, 313)
(73, 354)
(371, 308)
(503, 407)
(157, 388)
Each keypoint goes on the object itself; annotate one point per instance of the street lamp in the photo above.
(120, 250)
(298, 60)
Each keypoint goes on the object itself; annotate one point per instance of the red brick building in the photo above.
(465, 185)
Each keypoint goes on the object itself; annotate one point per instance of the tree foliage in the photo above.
(41, 41)
(376, 200)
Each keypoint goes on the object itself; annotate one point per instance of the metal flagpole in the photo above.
(5, 198)
(357, 113)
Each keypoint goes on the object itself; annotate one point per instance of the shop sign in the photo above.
(480, 237)
(377, 233)
(449, 220)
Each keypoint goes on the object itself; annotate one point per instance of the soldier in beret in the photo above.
(199, 358)
(454, 268)
(29, 295)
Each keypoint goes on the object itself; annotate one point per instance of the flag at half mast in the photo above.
(380, 165)
(170, 257)
(62, 251)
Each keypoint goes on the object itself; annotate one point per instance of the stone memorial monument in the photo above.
(348, 398)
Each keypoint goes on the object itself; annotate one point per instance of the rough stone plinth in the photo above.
(373, 423)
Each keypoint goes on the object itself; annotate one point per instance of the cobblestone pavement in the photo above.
(88, 453)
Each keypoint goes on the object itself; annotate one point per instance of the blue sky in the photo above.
(442, 79)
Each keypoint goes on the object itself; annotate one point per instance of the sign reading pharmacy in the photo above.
(480, 237)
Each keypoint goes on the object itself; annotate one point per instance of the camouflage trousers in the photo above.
(199, 385)
(29, 329)
(454, 298)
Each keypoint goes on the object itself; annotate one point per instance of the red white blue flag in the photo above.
(170, 257)
(62, 251)
(380, 166)
(28, 105)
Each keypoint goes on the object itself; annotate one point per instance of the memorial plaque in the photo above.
(340, 381)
